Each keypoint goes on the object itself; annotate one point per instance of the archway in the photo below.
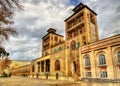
(57, 65)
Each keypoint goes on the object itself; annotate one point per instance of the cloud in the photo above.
(32, 24)
(40, 15)
(108, 16)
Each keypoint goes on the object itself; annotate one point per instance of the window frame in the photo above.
(87, 62)
(103, 74)
(102, 60)
(88, 74)
(118, 57)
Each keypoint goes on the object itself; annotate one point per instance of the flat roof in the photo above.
(84, 6)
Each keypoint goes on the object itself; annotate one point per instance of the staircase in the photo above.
(75, 77)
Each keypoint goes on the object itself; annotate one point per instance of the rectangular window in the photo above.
(103, 74)
(42, 66)
(81, 31)
(67, 47)
(88, 74)
(38, 66)
(84, 43)
(118, 55)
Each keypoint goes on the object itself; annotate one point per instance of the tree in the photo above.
(2, 52)
(5, 32)
(4, 60)
(7, 8)
(4, 64)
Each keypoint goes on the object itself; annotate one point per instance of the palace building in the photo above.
(81, 54)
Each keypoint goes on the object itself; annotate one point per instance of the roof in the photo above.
(76, 11)
(51, 30)
(52, 33)
(79, 5)
(21, 60)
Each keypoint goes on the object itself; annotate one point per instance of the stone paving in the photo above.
(24, 81)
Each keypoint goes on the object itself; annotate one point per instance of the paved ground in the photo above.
(23, 81)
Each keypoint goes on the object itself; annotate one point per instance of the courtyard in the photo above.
(24, 81)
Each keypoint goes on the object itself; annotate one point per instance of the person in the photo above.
(57, 76)
(47, 76)
(10, 75)
(37, 75)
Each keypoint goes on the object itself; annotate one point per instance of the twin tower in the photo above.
(80, 29)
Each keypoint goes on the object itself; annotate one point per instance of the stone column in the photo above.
(36, 68)
(96, 26)
(93, 64)
(44, 65)
(109, 60)
(66, 61)
(81, 64)
(40, 67)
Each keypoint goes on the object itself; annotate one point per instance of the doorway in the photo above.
(73, 67)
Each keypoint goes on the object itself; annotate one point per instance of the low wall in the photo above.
(53, 78)
(100, 80)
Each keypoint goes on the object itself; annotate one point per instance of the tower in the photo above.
(81, 29)
(81, 26)
(49, 40)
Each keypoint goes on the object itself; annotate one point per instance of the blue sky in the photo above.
(74, 2)
(40, 15)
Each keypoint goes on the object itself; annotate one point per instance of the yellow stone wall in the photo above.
(72, 59)
(18, 63)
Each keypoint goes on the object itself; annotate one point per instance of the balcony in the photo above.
(102, 65)
(76, 25)
(87, 66)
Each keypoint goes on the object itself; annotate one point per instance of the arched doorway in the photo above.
(57, 65)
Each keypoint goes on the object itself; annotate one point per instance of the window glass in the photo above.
(118, 55)
(103, 74)
(87, 61)
(55, 50)
(78, 44)
(88, 74)
(102, 60)
(60, 48)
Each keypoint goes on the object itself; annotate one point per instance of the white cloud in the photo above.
(40, 15)
(32, 23)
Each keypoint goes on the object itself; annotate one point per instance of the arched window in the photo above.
(56, 39)
(73, 45)
(78, 44)
(118, 57)
(55, 51)
(87, 61)
(60, 48)
(102, 60)
(57, 65)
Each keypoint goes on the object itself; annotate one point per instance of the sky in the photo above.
(40, 15)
